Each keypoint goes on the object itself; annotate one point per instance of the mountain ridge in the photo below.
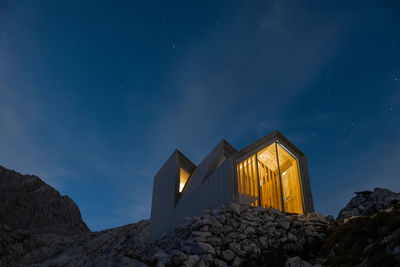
(28, 203)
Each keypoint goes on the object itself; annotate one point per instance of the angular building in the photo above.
(271, 173)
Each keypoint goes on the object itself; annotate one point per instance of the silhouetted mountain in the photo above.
(28, 203)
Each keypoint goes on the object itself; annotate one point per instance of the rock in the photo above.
(250, 249)
(162, 257)
(367, 203)
(232, 235)
(178, 257)
(205, 248)
(292, 237)
(201, 263)
(321, 218)
(234, 246)
(191, 261)
(387, 239)
(330, 219)
(283, 239)
(235, 207)
(208, 259)
(263, 241)
(260, 231)
(284, 224)
(29, 203)
(228, 255)
(199, 224)
(388, 210)
(237, 261)
(205, 228)
(297, 262)
(396, 250)
(129, 262)
(215, 241)
(369, 248)
(273, 233)
(250, 231)
(219, 263)
(202, 234)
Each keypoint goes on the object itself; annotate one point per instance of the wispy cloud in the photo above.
(19, 117)
(221, 88)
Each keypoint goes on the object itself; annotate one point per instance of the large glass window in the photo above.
(270, 186)
(292, 199)
(270, 178)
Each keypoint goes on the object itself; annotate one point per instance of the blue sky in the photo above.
(95, 95)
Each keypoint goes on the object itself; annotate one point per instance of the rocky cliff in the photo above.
(39, 227)
(28, 203)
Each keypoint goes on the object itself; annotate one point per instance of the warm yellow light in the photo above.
(247, 181)
(184, 176)
(290, 181)
(272, 176)
(268, 174)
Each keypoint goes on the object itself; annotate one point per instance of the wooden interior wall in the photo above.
(270, 192)
(261, 182)
(248, 181)
(292, 197)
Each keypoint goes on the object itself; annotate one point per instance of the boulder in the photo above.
(228, 255)
(191, 261)
(368, 202)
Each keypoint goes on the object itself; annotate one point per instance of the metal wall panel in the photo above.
(198, 176)
(163, 198)
(210, 194)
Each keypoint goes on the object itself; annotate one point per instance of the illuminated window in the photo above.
(183, 177)
(292, 199)
(270, 186)
(270, 179)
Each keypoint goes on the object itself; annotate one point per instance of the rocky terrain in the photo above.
(367, 203)
(39, 227)
(30, 204)
(241, 235)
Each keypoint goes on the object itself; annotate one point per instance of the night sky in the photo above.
(96, 95)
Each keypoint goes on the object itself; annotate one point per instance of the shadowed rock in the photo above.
(28, 203)
(368, 203)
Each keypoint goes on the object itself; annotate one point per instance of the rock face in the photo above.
(28, 203)
(368, 203)
(112, 247)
